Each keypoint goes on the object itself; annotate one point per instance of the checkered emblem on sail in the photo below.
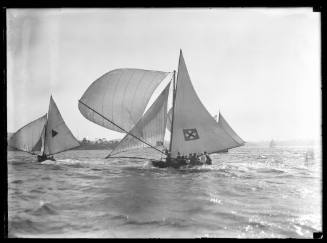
(190, 134)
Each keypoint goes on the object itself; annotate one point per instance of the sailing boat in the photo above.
(272, 144)
(45, 136)
(117, 101)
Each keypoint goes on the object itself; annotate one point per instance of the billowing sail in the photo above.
(27, 137)
(58, 137)
(194, 129)
(226, 127)
(150, 128)
(120, 96)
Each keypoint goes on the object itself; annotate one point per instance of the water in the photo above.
(246, 193)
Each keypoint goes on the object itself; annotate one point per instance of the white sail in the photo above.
(39, 146)
(27, 137)
(169, 118)
(194, 129)
(227, 128)
(150, 128)
(120, 96)
(58, 137)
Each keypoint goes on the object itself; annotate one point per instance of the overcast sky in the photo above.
(259, 67)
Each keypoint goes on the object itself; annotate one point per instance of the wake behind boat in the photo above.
(45, 136)
(118, 99)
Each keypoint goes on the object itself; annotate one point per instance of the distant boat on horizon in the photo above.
(272, 144)
(117, 101)
(45, 136)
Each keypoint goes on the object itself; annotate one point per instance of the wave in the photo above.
(45, 209)
(270, 170)
(17, 181)
(60, 161)
(80, 163)
(22, 225)
(173, 222)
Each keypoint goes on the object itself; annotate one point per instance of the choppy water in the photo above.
(246, 193)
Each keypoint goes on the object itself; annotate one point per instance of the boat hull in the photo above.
(173, 164)
(44, 158)
(162, 164)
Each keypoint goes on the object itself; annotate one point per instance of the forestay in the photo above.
(120, 96)
(27, 137)
(150, 128)
(194, 129)
(58, 137)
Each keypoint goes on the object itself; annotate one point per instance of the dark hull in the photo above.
(43, 158)
(173, 164)
(159, 163)
(162, 164)
(223, 151)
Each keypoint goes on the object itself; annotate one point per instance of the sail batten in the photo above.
(121, 96)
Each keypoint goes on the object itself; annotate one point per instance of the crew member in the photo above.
(202, 158)
(208, 159)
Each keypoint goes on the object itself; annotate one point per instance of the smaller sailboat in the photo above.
(272, 144)
(45, 136)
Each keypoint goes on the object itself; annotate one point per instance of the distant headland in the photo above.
(104, 144)
(85, 144)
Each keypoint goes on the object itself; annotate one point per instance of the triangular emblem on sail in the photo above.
(58, 137)
(28, 137)
(150, 128)
(190, 114)
(119, 97)
(54, 133)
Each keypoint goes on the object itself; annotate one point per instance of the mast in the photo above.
(45, 135)
(172, 116)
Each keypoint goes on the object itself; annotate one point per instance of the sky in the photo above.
(260, 67)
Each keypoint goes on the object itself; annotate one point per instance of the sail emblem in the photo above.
(190, 134)
(54, 133)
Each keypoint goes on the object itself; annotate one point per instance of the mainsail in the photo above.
(150, 128)
(58, 137)
(222, 123)
(193, 128)
(120, 96)
(27, 137)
